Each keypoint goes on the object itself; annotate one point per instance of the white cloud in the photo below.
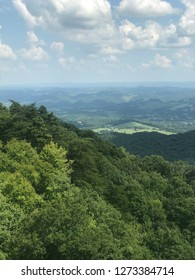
(32, 37)
(184, 58)
(152, 35)
(35, 53)
(146, 8)
(62, 61)
(60, 14)
(77, 20)
(169, 37)
(83, 14)
(20, 5)
(92, 22)
(160, 61)
(178, 42)
(187, 20)
(6, 52)
(109, 50)
(138, 36)
(127, 44)
(67, 61)
(57, 46)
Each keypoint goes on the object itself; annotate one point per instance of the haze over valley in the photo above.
(125, 109)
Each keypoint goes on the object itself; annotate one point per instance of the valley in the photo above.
(165, 109)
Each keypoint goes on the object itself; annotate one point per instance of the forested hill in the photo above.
(67, 194)
(172, 147)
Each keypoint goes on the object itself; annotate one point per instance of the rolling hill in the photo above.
(172, 147)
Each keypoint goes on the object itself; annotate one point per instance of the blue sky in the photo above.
(59, 41)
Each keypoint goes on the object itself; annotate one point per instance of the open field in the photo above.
(130, 128)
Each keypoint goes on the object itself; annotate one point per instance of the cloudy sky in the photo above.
(60, 41)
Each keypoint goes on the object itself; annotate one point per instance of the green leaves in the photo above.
(56, 156)
(66, 194)
(18, 190)
(10, 217)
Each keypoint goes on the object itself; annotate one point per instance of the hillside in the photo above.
(172, 147)
(67, 194)
(164, 107)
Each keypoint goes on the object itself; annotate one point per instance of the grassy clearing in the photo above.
(130, 128)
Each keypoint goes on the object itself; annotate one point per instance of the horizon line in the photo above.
(87, 84)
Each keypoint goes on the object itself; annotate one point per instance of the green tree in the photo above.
(10, 217)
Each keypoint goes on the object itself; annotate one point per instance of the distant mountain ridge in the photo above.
(172, 147)
(169, 108)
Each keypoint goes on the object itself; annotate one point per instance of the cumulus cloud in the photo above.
(109, 50)
(6, 52)
(128, 44)
(152, 35)
(146, 8)
(184, 58)
(92, 22)
(136, 36)
(74, 14)
(160, 61)
(68, 62)
(82, 14)
(26, 14)
(32, 37)
(187, 20)
(57, 46)
(62, 61)
(35, 53)
(78, 20)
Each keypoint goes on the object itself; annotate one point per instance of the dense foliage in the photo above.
(67, 194)
(172, 147)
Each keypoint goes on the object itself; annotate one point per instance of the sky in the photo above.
(61, 41)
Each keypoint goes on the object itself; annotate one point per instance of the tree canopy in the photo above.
(67, 194)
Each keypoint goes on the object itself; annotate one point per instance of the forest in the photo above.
(173, 147)
(65, 194)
